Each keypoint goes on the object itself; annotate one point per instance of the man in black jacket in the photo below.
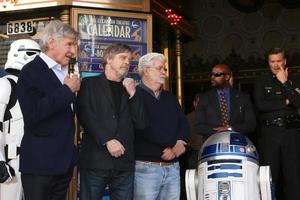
(223, 108)
(109, 110)
(277, 99)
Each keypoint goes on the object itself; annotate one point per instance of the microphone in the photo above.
(71, 66)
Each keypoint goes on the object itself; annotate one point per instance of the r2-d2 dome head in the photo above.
(228, 169)
(21, 52)
(228, 145)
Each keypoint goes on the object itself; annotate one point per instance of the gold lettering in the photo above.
(9, 1)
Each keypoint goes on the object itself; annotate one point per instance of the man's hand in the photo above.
(179, 147)
(220, 129)
(129, 84)
(73, 82)
(115, 148)
(282, 74)
(297, 90)
(4, 175)
(168, 154)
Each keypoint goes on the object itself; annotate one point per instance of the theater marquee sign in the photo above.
(10, 5)
(138, 5)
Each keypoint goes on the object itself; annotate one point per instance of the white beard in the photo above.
(158, 80)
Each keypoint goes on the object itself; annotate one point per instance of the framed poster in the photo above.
(98, 29)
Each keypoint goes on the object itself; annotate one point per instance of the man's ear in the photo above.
(109, 59)
(227, 77)
(51, 42)
(284, 63)
(146, 70)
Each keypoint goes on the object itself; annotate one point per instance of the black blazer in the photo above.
(101, 123)
(208, 113)
(47, 146)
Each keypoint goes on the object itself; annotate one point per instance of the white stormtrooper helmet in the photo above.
(21, 52)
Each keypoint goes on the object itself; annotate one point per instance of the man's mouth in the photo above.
(125, 67)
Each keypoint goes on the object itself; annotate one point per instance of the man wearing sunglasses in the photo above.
(223, 108)
(277, 99)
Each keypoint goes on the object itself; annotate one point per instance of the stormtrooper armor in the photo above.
(11, 120)
(228, 169)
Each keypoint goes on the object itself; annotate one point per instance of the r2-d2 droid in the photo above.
(228, 169)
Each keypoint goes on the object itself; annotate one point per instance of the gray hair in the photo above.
(58, 30)
(146, 61)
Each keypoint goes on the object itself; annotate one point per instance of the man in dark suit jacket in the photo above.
(238, 107)
(46, 95)
(109, 108)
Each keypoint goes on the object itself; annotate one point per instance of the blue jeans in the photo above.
(93, 183)
(154, 182)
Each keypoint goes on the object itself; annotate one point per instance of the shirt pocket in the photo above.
(273, 93)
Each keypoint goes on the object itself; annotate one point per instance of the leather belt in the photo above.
(162, 164)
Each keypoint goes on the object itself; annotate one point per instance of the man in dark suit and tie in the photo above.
(223, 108)
(109, 108)
(46, 95)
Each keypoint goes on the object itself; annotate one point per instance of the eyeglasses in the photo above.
(161, 69)
(217, 74)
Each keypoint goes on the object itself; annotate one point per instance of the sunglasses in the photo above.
(217, 74)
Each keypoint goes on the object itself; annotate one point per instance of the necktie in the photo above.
(223, 106)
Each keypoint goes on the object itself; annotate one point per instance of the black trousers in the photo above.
(49, 187)
(279, 148)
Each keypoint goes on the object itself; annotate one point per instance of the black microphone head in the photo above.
(71, 64)
(72, 61)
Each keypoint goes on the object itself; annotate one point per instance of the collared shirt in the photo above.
(227, 96)
(60, 71)
(142, 85)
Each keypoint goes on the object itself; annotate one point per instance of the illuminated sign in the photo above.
(19, 27)
(141, 5)
(9, 5)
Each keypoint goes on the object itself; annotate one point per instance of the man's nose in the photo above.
(73, 49)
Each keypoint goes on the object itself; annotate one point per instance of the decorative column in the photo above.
(178, 53)
(65, 16)
(166, 85)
